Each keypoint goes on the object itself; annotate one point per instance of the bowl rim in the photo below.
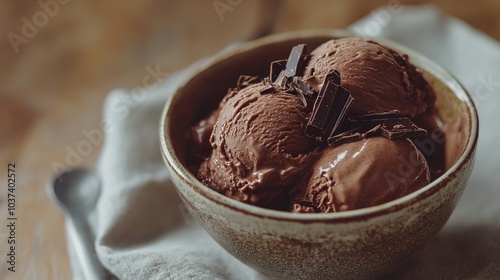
(174, 164)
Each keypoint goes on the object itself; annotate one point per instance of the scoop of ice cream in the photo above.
(379, 78)
(259, 146)
(363, 173)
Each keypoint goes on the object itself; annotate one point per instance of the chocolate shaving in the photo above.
(329, 109)
(304, 91)
(295, 60)
(276, 68)
(244, 81)
(231, 92)
(301, 86)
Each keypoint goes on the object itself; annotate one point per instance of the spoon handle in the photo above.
(80, 236)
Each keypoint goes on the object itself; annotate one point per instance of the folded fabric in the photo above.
(144, 232)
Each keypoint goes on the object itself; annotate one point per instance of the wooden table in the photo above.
(58, 62)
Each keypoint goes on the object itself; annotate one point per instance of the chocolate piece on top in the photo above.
(348, 136)
(372, 131)
(281, 80)
(301, 86)
(388, 124)
(304, 91)
(340, 109)
(276, 68)
(296, 60)
(329, 109)
(333, 77)
(398, 128)
(281, 73)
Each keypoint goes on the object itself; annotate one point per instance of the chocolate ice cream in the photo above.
(259, 148)
(324, 132)
(379, 78)
(363, 173)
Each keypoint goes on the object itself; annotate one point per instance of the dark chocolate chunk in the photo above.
(340, 110)
(282, 80)
(244, 81)
(281, 71)
(276, 68)
(319, 122)
(296, 60)
(389, 124)
(329, 109)
(345, 137)
(372, 131)
(333, 77)
(399, 128)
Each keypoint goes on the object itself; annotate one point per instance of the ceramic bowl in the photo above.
(360, 244)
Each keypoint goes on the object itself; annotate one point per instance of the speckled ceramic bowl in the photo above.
(359, 244)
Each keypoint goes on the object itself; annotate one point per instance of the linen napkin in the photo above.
(144, 232)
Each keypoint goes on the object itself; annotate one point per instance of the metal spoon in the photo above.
(76, 193)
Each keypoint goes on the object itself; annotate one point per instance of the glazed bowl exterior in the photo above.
(360, 244)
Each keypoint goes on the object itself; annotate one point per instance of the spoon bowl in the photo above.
(76, 192)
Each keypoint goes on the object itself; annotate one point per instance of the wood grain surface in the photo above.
(59, 59)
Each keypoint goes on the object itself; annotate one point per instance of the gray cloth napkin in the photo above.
(144, 231)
